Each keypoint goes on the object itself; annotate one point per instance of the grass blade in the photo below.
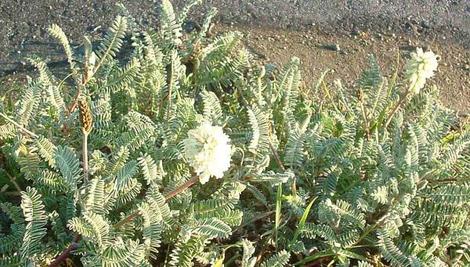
(302, 221)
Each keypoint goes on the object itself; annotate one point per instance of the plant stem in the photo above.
(328, 95)
(126, 220)
(279, 162)
(443, 181)
(257, 218)
(371, 228)
(278, 213)
(403, 98)
(232, 260)
(394, 110)
(11, 193)
(170, 89)
(276, 156)
(85, 155)
(182, 187)
(75, 101)
(63, 256)
(316, 256)
(168, 196)
(364, 114)
(19, 126)
(13, 181)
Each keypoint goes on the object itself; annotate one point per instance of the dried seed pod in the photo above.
(85, 115)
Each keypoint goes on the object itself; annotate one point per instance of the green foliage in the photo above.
(112, 42)
(279, 259)
(10, 241)
(36, 219)
(346, 180)
(68, 165)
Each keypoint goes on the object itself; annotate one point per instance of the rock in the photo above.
(355, 32)
(425, 24)
(332, 47)
(411, 26)
(190, 26)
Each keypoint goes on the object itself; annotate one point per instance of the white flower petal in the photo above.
(208, 151)
(420, 67)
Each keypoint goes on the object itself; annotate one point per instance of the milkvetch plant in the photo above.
(185, 152)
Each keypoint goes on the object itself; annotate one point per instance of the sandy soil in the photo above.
(275, 30)
(346, 55)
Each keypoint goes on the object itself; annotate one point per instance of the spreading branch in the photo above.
(168, 196)
(65, 253)
(19, 126)
(279, 163)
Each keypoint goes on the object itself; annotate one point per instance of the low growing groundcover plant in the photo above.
(183, 151)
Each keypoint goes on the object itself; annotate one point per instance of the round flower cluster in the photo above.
(420, 67)
(208, 151)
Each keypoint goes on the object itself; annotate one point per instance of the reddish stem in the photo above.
(128, 219)
(182, 187)
(64, 255)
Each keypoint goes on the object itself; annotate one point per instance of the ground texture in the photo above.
(325, 34)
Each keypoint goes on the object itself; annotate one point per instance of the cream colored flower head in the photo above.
(420, 67)
(208, 151)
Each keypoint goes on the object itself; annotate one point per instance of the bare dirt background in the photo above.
(325, 34)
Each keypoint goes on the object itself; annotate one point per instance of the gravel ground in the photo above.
(350, 14)
(289, 27)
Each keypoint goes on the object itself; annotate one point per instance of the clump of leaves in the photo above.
(95, 170)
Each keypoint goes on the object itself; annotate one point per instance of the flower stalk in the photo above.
(419, 68)
(86, 120)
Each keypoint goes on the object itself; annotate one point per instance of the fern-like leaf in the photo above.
(36, 219)
(391, 252)
(92, 227)
(69, 166)
(112, 42)
(212, 110)
(248, 250)
(9, 241)
(28, 104)
(153, 172)
(46, 149)
(56, 31)
(279, 259)
(212, 228)
(170, 26)
(124, 176)
(95, 199)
